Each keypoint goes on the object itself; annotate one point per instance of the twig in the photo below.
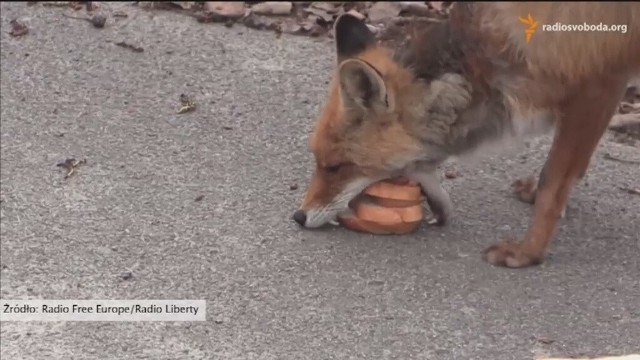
(629, 190)
(56, 4)
(130, 47)
(623, 121)
(70, 165)
(97, 20)
(608, 156)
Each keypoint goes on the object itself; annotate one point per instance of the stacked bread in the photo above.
(388, 207)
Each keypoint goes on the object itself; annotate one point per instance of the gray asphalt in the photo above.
(273, 291)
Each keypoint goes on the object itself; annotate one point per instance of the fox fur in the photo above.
(463, 83)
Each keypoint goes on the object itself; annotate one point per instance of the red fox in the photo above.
(474, 79)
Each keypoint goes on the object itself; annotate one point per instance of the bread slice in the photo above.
(367, 210)
(394, 191)
(391, 203)
(392, 206)
(360, 225)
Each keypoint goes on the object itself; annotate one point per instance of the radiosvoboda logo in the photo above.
(533, 25)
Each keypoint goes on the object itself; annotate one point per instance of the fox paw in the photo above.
(526, 189)
(510, 254)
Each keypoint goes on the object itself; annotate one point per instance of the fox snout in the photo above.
(300, 217)
(327, 198)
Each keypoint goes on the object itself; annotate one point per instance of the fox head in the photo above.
(372, 126)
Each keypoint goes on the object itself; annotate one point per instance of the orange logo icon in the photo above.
(532, 26)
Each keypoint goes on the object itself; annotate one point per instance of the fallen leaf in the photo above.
(320, 14)
(317, 30)
(186, 104)
(627, 107)
(625, 122)
(272, 8)
(129, 46)
(126, 275)
(120, 14)
(356, 14)
(185, 5)
(436, 5)
(61, 3)
(290, 27)
(308, 24)
(70, 165)
(209, 17)
(97, 20)
(325, 6)
(416, 8)
(544, 340)
(226, 9)
(160, 5)
(632, 94)
(608, 156)
(259, 22)
(18, 28)
(383, 10)
(630, 190)
(451, 174)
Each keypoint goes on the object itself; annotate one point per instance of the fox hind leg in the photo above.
(525, 189)
(585, 119)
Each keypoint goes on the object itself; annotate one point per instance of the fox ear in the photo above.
(362, 87)
(352, 36)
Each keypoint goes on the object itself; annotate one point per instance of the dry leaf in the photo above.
(290, 27)
(185, 5)
(544, 340)
(70, 165)
(627, 107)
(272, 8)
(608, 156)
(186, 104)
(325, 16)
(451, 174)
(325, 6)
(259, 22)
(355, 13)
(226, 9)
(383, 10)
(436, 5)
(130, 47)
(373, 29)
(631, 191)
(624, 120)
(317, 30)
(415, 7)
(308, 24)
(18, 28)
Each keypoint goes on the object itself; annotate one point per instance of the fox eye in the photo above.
(333, 168)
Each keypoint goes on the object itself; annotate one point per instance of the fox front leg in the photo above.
(437, 197)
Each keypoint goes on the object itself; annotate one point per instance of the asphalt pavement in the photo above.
(198, 206)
